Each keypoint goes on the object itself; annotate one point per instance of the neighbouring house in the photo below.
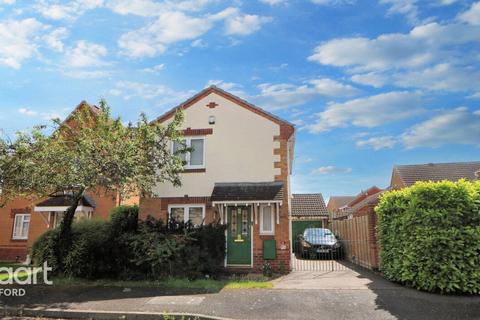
(237, 173)
(308, 211)
(22, 221)
(362, 217)
(338, 206)
(406, 175)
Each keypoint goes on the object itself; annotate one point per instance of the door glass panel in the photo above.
(178, 214)
(234, 222)
(195, 215)
(245, 222)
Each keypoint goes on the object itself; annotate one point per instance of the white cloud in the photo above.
(277, 96)
(86, 74)
(43, 115)
(332, 2)
(408, 8)
(377, 143)
(175, 26)
(273, 2)
(170, 27)
(155, 69)
(373, 79)
(331, 170)
(472, 16)
(198, 43)
(421, 46)
(27, 112)
(244, 24)
(65, 10)
(156, 93)
(54, 38)
(9, 2)
(148, 8)
(458, 126)
(18, 41)
(441, 77)
(332, 88)
(85, 54)
(368, 112)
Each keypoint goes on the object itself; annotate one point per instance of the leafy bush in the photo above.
(126, 248)
(43, 250)
(124, 219)
(429, 236)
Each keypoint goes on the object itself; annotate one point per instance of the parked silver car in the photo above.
(320, 242)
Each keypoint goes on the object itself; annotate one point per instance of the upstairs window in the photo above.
(194, 159)
(21, 227)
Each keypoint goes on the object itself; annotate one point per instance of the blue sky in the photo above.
(369, 84)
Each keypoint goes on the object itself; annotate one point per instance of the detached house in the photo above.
(238, 173)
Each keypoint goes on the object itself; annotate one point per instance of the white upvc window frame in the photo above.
(21, 217)
(272, 213)
(188, 141)
(186, 210)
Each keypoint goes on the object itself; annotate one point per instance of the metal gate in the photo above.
(320, 249)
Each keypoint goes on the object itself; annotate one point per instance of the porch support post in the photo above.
(277, 210)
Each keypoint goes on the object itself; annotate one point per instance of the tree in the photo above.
(89, 151)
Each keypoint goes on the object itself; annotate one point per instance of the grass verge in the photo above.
(171, 283)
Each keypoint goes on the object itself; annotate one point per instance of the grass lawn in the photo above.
(173, 283)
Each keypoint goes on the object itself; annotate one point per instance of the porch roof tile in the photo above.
(248, 191)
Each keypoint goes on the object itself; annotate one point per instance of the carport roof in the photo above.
(311, 204)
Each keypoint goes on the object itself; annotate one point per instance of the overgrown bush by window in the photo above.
(429, 236)
(126, 248)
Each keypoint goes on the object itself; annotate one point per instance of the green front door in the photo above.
(239, 237)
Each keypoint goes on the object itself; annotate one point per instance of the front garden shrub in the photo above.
(125, 248)
(429, 236)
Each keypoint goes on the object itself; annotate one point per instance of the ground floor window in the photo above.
(267, 220)
(57, 217)
(21, 226)
(193, 213)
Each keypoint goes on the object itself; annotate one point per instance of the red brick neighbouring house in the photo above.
(22, 221)
(238, 173)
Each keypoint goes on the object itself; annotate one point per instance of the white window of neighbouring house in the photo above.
(267, 225)
(193, 213)
(194, 159)
(21, 227)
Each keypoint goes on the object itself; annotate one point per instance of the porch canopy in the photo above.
(61, 203)
(251, 194)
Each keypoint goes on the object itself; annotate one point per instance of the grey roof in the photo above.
(453, 171)
(311, 204)
(248, 191)
(371, 199)
(65, 201)
(342, 201)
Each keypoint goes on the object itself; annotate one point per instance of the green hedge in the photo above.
(125, 248)
(429, 236)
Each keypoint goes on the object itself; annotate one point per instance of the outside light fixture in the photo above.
(211, 120)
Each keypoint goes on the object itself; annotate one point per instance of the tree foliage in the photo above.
(90, 151)
(430, 236)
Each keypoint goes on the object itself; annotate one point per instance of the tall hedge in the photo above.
(429, 236)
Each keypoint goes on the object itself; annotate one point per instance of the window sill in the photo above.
(267, 233)
(20, 239)
(193, 170)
